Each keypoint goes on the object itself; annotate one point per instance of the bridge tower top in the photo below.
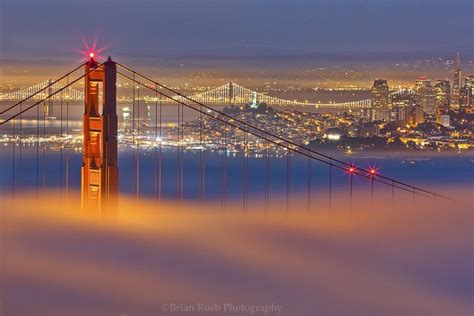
(231, 92)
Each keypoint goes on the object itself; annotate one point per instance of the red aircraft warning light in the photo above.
(372, 171)
(91, 51)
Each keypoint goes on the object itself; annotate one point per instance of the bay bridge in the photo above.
(229, 93)
(99, 167)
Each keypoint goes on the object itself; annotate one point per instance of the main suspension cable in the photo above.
(345, 164)
(288, 145)
(52, 83)
(49, 96)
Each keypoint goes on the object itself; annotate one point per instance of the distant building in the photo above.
(415, 115)
(465, 97)
(334, 133)
(400, 103)
(424, 95)
(442, 90)
(380, 100)
(456, 84)
(402, 99)
(398, 114)
(444, 120)
(380, 114)
(368, 129)
(126, 114)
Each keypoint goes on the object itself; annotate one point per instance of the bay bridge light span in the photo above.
(100, 137)
(229, 93)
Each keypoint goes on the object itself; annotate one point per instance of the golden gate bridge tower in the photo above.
(100, 175)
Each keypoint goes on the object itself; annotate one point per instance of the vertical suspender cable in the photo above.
(224, 169)
(201, 159)
(13, 157)
(178, 177)
(288, 178)
(372, 189)
(156, 140)
(160, 173)
(310, 176)
(330, 183)
(393, 190)
(67, 139)
(266, 176)
(351, 175)
(181, 162)
(138, 141)
(133, 133)
(245, 170)
(20, 150)
(61, 147)
(225, 166)
(37, 151)
(44, 146)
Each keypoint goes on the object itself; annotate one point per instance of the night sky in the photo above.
(32, 28)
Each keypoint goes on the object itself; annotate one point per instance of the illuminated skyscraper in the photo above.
(415, 115)
(442, 89)
(465, 97)
(456, 84)
(424, 95)
(380, 100)
(444, 120)
(400, 104)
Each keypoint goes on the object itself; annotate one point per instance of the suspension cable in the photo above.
(49, 96)
(289, 145)
(51, 83)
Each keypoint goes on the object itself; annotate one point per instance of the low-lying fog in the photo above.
(146, 258)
